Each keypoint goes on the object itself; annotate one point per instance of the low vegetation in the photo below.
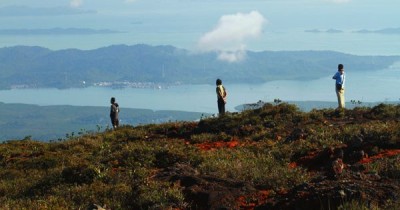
(49, 123)
(273, 157)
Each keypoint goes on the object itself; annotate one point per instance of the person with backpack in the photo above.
(221, 97)
(114, 111)
(339, 86)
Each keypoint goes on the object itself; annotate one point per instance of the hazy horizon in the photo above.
(229, 27)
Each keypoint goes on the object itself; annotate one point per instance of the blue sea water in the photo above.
(376, 86)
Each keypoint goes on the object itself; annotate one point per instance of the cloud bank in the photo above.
(20, 11)
(55, 31)
(339, 1)
(230, 35)
(76, 3)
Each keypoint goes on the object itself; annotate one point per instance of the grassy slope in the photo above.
(55, 122)
(123, 169)
(19, 121)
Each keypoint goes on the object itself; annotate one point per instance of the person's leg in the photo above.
(342, 101)
(338, 98)
(116, 122)
(221, 107)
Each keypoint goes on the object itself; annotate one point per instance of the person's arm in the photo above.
(225, 93)
(335, 76)
(116, 107)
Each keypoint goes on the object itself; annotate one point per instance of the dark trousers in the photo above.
(221, 106)
(114, 121)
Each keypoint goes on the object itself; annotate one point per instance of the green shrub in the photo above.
(383, 111)
(81, 174)
(157, 195)
(203, 137)
(355, 205)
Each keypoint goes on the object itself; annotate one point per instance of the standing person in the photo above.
(339, 85)
(221, 97)
(114, 110)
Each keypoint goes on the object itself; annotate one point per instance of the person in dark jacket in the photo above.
(221, 97)
(114, 111)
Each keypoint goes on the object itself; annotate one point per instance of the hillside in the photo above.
(274, 157)
(18, 121)
(49, 123)
(121, 65)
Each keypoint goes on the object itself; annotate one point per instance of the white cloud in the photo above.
(76, 3)
(232, 56)
(231, 33)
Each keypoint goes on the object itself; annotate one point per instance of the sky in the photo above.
(229, 27)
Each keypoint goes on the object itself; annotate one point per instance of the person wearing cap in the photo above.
(339, 77)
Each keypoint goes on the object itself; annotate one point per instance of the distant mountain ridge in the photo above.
(37, 67)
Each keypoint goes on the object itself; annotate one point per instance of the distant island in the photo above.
(324, 31)
(381, 31)
(143, 65)
(362, 31)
